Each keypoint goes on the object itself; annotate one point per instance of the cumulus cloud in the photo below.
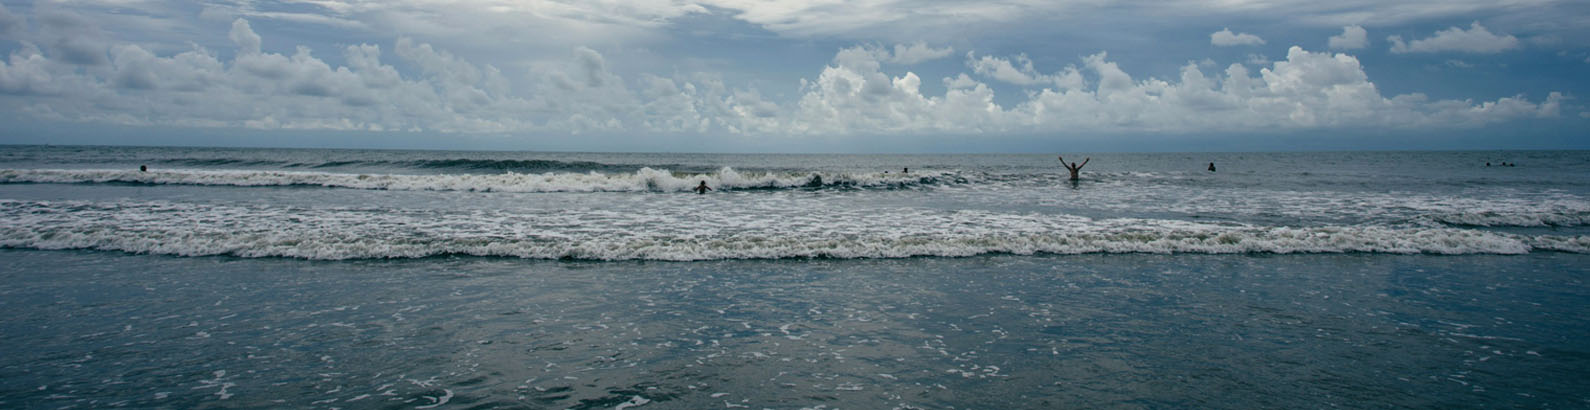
(1477, 39)
(1225, 38)
(1351, 38)
(1307, 90)
(245, 38)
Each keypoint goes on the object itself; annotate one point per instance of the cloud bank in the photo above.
(66, 71)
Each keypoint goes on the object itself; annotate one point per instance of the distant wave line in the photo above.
(642, 180)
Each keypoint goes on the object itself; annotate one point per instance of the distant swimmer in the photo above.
(905, 171)
(702, 189)
(143, 168)
(1487, 164)
(1211, 167)
(1073, 167)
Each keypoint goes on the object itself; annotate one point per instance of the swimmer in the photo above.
(143, 168)
(1211, 167)
(1074, 167)
(702, 189)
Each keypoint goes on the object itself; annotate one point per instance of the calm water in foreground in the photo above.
(419, 279)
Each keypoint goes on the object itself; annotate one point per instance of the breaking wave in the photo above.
(643, 180)
(359, 233)
(458, 164)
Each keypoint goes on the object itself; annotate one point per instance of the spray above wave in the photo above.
(643, 180)
(352, 233)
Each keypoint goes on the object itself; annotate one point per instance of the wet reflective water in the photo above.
(104, 329)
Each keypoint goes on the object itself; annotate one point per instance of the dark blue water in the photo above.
(411, 279)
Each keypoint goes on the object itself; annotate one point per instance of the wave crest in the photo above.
(645, 179)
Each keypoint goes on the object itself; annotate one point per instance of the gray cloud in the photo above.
(11, 25)
(918, 52)
(72, 38)
(247, 41)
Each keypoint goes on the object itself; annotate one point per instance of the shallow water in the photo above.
(96, 329)
(264, 278)
(332, 204)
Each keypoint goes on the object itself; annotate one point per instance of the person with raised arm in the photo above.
(1073, 167)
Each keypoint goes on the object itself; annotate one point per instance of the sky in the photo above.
(799, 75)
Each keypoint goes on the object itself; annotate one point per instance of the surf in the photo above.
(642, 180)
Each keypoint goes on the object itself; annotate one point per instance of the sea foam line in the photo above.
(348, 233)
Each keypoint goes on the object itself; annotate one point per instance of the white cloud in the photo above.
(1225, 38)
(1019, 70)
(1476, 39)
(1351, 38)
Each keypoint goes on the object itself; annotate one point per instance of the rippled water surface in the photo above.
(98, 330)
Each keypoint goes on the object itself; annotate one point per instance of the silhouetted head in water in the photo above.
(815, 182)
(143, 168)
(702, 189)
(905, 171)
(1211, 167)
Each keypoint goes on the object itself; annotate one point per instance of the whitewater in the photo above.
(339, 205)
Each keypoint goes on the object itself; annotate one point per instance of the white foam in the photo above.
(751, 233)
(1491, 208)
(644, 179)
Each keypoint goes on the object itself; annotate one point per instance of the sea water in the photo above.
(432, 279)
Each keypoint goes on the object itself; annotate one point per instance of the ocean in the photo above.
(314, 278)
